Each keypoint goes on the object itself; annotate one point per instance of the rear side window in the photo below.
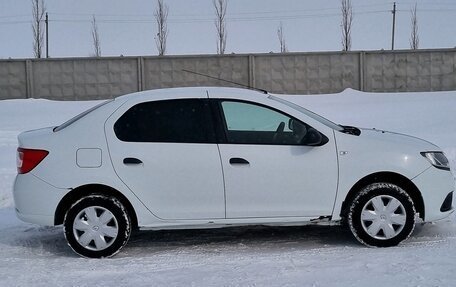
(179, 121)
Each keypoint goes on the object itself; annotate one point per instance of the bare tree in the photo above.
(161, 17)
(281, 36)
(95, 38)
(346, 24)
(220, 24)
(38, 11)
(414, 38)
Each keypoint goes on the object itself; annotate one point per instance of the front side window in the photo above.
(247, 123)
(180, 121)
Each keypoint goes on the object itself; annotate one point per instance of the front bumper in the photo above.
(435, 185)
(36, 200)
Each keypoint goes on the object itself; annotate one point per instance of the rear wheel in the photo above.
(382, 215)
(97, 226)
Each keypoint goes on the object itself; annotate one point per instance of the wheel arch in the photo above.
(88, 189)
(390, 177)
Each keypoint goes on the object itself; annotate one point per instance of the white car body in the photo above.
(188, 185)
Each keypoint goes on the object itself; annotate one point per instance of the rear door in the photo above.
(165, 152)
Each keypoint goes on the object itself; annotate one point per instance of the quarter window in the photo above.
(180, 121)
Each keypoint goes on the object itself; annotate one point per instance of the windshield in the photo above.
(313, 115)
(80, 116)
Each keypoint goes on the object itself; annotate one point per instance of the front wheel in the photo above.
(97, 226)
(382, 215)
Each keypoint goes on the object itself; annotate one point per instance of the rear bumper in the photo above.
(435, 185)
(47, 220)
(36, 200)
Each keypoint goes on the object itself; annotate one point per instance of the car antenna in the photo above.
(227, 81)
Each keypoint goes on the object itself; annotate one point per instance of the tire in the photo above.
(97, 226)
(381, 215)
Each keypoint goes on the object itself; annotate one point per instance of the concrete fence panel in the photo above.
(167, 72)
(84, 79)
(307, 73)
(410, 71)
(13, 81)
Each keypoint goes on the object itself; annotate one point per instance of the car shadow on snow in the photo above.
(37, 241)
(28, 239)
(248, 237)
(45, 241)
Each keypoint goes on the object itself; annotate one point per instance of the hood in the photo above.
(377, 150)
(398, 139)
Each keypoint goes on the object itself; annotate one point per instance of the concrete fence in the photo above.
(291, 73)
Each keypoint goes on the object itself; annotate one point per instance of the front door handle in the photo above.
(132, 160)
(238, 160)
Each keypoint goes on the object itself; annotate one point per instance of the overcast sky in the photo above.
(127, 27)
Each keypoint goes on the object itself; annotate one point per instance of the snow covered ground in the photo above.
(249, 256)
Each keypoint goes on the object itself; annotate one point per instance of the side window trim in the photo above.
(218, 120)
(210, 125)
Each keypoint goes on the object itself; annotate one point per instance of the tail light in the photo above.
(28, 159)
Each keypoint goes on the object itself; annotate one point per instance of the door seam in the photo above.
(223, 177)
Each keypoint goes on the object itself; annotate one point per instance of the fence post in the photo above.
(140, 71)
(361, 70)
(251, 71)
(28, 79)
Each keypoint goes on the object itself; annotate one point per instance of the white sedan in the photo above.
(211, 157)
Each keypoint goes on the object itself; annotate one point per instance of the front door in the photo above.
(269, 170)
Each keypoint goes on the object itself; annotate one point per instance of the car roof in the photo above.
(195, 92)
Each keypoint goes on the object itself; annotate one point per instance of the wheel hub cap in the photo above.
(383, 217)
(95, 228)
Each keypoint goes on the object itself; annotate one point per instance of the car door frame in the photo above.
(266, 102)
(122, 109)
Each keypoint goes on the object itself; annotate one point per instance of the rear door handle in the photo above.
(238, 160)
(132, 160)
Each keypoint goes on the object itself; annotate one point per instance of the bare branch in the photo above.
(346, 24)
(220, 24)
(281, 36)
(38, 11)
(414, 38)
(161, 17)
(95, 38)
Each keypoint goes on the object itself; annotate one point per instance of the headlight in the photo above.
(437, 159)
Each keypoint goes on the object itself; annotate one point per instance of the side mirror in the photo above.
(314, 138)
